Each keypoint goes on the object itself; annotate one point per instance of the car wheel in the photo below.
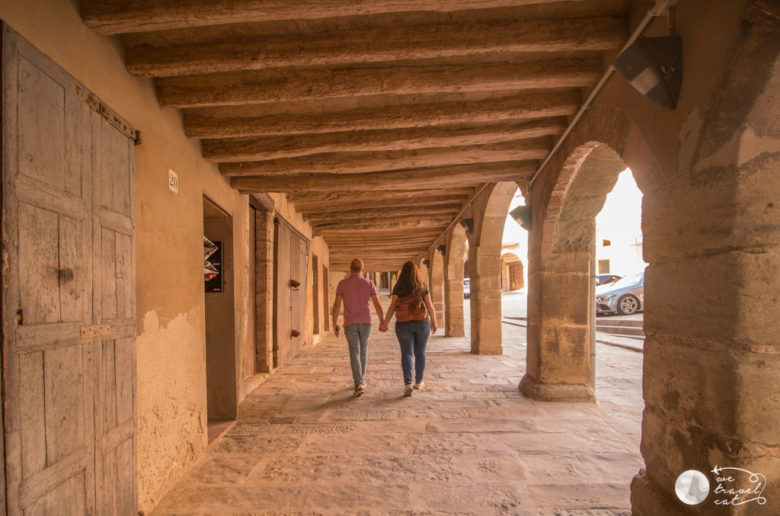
(628, 305)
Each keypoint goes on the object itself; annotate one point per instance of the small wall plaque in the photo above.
(173, 181)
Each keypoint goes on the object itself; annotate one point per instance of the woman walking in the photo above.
(411, 304)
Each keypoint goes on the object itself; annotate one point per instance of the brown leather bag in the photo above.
(410, 308)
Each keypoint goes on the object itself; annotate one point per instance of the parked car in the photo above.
(606, 279)
(466, 287)
(625, 296)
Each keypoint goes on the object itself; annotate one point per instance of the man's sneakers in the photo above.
(359, 390)
(408, 390)
(419, 386)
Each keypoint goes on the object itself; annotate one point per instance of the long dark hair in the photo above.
(410, 281)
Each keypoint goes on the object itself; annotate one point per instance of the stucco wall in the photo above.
(171, 388)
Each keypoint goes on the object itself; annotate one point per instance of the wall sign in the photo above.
(173, 181)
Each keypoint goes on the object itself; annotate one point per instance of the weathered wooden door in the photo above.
(68, 293)
(290, 271)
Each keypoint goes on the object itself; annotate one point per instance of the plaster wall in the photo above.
(171, 352)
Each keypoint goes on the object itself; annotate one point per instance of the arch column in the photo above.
(489, 213)
(485, 285)
(559, 360)
(436, 285)
(454, 260)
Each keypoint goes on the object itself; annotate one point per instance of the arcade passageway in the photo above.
(470, 443)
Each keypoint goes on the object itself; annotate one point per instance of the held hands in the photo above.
(383, 326)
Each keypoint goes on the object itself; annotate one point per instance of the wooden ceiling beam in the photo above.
(382, 222)
(258, 87)
(315, 209)
(129, 16)
(419, 211)
(222, 53)
(512, 108)
(289, 146)
(302, 199)
(437, 177)
(360, 162)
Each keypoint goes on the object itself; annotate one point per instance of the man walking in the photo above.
(355, 291)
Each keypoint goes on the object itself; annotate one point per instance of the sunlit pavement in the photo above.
(469, 443)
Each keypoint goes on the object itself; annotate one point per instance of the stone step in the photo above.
(636, 323)
(621, 330)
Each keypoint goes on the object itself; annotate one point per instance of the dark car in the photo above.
(606, 279)
(625, 296)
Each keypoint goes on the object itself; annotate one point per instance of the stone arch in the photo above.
(454, 258)
(489, 211)
(707, 171)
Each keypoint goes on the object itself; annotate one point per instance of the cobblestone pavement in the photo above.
(469, 443)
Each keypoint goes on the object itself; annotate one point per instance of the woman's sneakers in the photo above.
(419, 386)
(408, 389)
(359, 390)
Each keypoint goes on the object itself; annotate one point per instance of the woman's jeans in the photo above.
(412, 336)
(357, 337)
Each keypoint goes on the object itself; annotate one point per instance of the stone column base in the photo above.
(648, 500)
(531, 388)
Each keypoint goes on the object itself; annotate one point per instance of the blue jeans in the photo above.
(357, 337)
(413, 336)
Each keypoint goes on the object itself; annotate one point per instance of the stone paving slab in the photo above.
(469, 443)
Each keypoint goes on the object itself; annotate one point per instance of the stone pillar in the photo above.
(560, 301)
(453, 284)
(264, 290)
(485, 273)
(712, 236)
(437, 285)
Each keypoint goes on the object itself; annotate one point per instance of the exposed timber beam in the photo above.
(378, 223)
(314, 209)
(210, 123)
(288, 146)
(149, 15)
(358, 162)
(316, 83)
(302, 199)
(218, 54)
(419, 211)
(400, 241)
(437, 177)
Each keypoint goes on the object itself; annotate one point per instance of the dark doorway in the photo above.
(221, 363)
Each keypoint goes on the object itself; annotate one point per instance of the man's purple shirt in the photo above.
(356, 291)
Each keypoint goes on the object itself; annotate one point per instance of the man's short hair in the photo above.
(356, 265)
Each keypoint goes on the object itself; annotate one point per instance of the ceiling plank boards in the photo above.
(380, 120)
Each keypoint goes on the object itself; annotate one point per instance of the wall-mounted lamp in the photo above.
(523, 216)
(442, 249)
(426, 262)
(653, 66)
(468, 225)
